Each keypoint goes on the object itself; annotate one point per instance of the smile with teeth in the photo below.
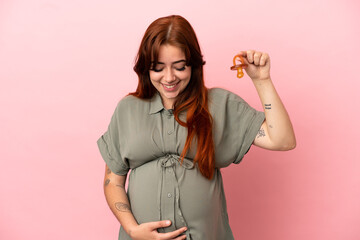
(170, 86)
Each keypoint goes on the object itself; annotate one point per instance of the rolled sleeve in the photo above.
(110, 149)
(236, 126)
(250, 122)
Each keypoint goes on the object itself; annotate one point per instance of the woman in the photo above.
(175, 135)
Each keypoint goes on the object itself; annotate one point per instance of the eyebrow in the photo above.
(172, 62)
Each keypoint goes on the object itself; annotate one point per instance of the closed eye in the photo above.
(156, 70)
(181, 69)
(159, 70)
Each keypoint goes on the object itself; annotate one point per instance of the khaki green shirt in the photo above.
(144, 136)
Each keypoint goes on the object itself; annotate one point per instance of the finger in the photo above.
(159, 224)
(264, 59)
(180, 237)
(173, 234)
(257, 56)
(244, 61)
(250, 56)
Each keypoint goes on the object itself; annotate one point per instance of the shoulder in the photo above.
(224, 103)
(220, 95)
(130, 102)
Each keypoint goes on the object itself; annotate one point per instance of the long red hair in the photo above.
(177, 31)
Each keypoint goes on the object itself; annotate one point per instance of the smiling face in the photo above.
(171, 75)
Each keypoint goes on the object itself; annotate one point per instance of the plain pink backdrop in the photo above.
(64, 65)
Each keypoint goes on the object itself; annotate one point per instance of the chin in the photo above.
(171, 96)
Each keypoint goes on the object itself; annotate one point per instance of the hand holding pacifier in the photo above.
(257, 64)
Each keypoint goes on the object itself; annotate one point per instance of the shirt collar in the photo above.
(156, 104)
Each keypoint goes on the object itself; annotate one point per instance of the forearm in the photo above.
(118, 202)
(278, 124)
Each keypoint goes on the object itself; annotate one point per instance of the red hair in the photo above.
(177, 31)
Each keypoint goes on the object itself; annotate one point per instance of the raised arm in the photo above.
(117, 199)
(276, 133)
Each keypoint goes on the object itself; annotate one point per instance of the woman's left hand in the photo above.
(258, 64)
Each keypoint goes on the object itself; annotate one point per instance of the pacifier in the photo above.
(239, 63)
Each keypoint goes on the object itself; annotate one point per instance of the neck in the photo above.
(168, 104)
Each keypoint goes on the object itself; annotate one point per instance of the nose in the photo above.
(169, 75)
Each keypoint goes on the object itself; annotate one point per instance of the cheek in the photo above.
(154, 77)
(185, 75)
(155, 84)
(188, 76)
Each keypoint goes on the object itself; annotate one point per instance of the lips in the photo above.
(170, 88)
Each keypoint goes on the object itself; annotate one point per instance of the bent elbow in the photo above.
(292, 146)
(284, 145)
(289, 146)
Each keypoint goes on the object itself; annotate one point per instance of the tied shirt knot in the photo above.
(169, 160)
(169, 193)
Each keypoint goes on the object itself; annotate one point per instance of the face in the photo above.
(171, 75)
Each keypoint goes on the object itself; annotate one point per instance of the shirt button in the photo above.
(170, 132)
(169, 195)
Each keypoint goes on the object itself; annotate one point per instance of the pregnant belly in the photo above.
(176, 193)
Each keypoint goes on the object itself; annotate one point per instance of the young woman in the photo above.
(175, 135)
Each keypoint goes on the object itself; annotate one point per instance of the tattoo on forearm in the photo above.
(107, 181)
(270, 126)
(261, 133)
(267, 106)
(122, 207)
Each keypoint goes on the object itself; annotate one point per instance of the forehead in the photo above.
(169, 54)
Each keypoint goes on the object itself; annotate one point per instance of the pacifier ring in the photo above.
(239, 67)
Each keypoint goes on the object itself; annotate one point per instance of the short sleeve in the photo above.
(249, 122)
(109, 146)
(236, 126)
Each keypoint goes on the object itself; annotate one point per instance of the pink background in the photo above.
(64, 65)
